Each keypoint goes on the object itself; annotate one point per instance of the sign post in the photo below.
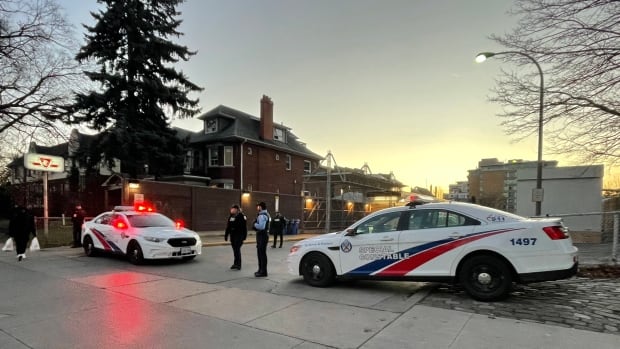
(45, 163)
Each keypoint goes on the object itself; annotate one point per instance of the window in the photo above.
(288, 162)
(307, 166)
(277, 157)
(189, 161)
(380, 224)
(211, 126)
(214, 159)
(279, 135)
(228, 186)
(429, 219)
(228, 156)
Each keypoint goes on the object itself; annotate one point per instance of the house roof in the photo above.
(246, 127)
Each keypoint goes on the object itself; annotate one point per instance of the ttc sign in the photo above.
(42, 162)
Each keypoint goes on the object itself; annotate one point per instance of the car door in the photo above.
(119, 227)
(101, 229)
(371, 245)
(429, 240)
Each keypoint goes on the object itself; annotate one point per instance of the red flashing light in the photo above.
(556, 232)
(179, 223)
(119, 224)
(144, 208)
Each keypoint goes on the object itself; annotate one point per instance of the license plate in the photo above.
(186, 250)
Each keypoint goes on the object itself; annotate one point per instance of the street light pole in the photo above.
(537, 195)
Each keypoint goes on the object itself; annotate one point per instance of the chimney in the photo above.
(266, 119)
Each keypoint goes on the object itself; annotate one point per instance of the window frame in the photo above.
(215, 126)
(309, 163)
(215, 158)
(230, 150)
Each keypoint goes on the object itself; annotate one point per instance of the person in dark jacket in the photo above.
(237, 229)
(78, 220)
(21, 226)
(277, 229)
(261, 226)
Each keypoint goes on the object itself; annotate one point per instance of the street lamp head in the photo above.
(482, 56)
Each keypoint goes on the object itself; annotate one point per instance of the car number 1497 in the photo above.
(523, 242)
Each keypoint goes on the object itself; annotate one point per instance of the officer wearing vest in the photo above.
(277, 229)
(261, 225)
(238, 232)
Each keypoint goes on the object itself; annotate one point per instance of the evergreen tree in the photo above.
(130, 43)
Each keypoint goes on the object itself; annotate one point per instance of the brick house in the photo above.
(240, 151)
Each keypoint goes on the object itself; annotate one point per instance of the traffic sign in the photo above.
(42, 162)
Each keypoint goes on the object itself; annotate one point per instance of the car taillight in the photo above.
(556, 232)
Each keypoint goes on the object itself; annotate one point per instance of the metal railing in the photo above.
(610, 225)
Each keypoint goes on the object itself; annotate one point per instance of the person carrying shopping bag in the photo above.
(20, 228)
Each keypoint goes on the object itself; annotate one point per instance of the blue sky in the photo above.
(391, 83)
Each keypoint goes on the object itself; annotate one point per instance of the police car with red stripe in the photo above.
(139, 233)
(483, 249)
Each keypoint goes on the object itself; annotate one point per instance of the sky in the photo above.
(391, 83)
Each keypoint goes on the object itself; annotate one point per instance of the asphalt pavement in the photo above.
(58, 298)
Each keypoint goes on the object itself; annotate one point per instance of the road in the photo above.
(58, 298)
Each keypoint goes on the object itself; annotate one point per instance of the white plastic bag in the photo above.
(8, 245)
(34, 244)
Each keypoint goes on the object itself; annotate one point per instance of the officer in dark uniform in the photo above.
(238, 232)
(78, 220)
(277, 229)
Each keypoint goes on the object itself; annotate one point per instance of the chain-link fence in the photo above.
(60, 231)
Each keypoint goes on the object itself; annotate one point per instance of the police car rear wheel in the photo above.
(486, 278)
(134, 253)
(89, 247)
(317, 270)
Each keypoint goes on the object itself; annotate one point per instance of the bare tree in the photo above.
(37, 69)
(577, 43)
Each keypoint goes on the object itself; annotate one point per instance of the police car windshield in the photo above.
(151, 220)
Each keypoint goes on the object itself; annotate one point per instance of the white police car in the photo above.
(139, 233)
(481, 248)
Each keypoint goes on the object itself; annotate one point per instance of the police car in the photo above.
(139, 233)
(483, 249)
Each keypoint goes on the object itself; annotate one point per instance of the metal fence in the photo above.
(594, 227)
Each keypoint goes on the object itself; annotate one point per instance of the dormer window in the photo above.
(279, 135)
(211, 126)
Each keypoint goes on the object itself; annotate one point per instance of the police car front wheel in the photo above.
(89, 247)
(317, 270)
(134, 253)
(486, 278)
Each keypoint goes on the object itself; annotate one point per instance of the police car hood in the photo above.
(166, 232)
(324, 237)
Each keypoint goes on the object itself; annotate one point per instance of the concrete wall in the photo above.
(574, 189)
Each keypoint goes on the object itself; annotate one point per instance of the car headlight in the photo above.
(153, 239)
(294, 249)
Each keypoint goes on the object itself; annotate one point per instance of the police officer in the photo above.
(78, 220)
(238, 232)
(277, 229)
(261, 225)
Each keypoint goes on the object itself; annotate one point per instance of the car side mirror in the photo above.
(350, 232)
